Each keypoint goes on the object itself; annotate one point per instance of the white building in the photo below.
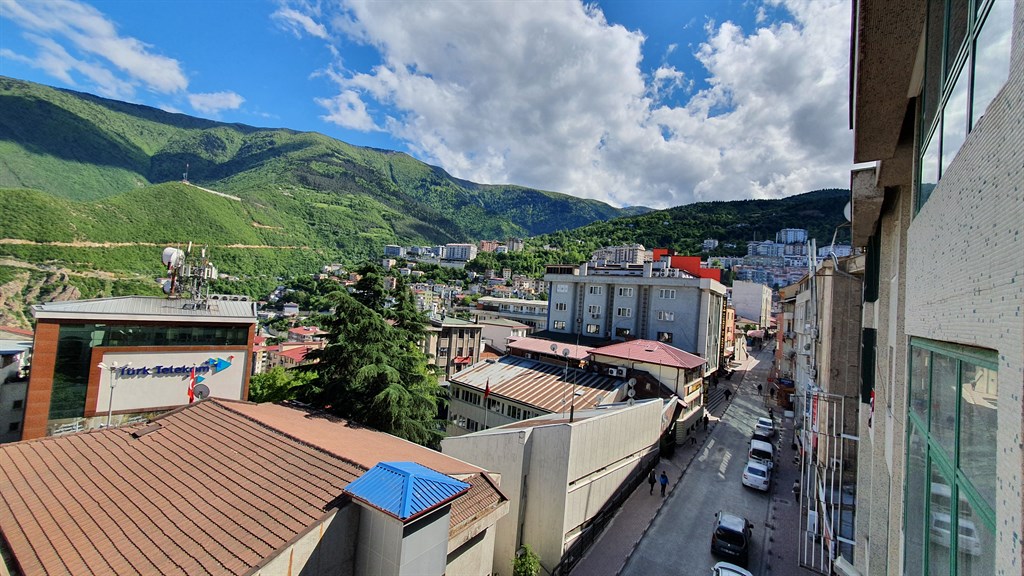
(936, 111)
(533, 313)
(629, 254)
(496, 332)
(791, 236)
(652, 302)
(558, 475)
(460, 252)
(709, 244)
(753, 301)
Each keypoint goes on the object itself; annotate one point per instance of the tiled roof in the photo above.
(212, 488)
(540, 346)
(306, 330)
(208, 492)
(652, 352)
(538, 384)
(148, 308)
(16, 330)
(405, 489)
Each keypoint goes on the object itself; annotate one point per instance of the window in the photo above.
(558, 325)
(561, 306)
(593, 309)
(17, 404)
(593, 329)
(665, 337)
(14, 426)
(624, 312)
(627, 292)
(666, 316)
(596, 290)
(967, 62)
(667, 293)
(442, 351)
(949, 489)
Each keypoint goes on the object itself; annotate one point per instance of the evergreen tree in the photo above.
(372, 373)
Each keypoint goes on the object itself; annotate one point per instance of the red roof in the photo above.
(652, 352)
(305, 331)
(19, 331)
(216, 487)
(297, 353)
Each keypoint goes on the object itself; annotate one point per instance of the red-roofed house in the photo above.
(229, 487)
(305, 334)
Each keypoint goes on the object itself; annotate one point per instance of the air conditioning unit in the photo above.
(595, 316)
(622, 371)
(612, 371)
(528, 355)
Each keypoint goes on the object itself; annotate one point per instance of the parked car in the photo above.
(727, 569)
(966, 538)
(731, 537)
(757, 475)
(762, 452)
(765, 427)
(761, 437)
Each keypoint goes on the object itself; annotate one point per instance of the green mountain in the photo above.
(733, 224)
(82, 169)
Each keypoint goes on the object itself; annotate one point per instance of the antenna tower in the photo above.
(189, 273)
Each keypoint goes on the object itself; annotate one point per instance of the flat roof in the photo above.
(148, 309)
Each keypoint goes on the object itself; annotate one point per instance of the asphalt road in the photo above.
(679, 539)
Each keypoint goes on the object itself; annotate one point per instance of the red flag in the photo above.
(487, 390)
(192, 386)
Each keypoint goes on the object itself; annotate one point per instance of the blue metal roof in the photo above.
(405, 489)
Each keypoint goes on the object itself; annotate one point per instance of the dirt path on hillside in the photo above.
(87, 244)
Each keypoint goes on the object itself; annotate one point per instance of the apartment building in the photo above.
(533, 313)
(653, 301)
(936, 106)
(753, 301)
(460, 252)
(452, 344)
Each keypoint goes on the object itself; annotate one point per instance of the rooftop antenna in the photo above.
(184, 177)
(188, 275)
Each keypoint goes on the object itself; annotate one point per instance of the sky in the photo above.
(654, 103)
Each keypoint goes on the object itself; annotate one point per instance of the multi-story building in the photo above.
(752, 301)
(496, 332)
(936, 107)
(112, 359)
(459, 252)
(515, 245)
(629, 254)
(709, 245)
(490, 245)
(791, 236)
(452, 344)
(393, 251)
(654, 301)
(533, 313)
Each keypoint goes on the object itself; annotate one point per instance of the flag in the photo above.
(192, 386)
(487, 390)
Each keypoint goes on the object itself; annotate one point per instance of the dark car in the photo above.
(761, 437)
(731, 538)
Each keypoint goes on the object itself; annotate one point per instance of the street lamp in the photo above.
(112, 368)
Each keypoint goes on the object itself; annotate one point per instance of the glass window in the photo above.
(929, 169)
(666, 316)
(594, 309)
(598, 290)
(933, 61)
(954, 122)
(978, 427)
(624, 312)
(920, 375)
(976, 551)
(991, 57)
(944, 401)
(561, 306)
(917, 451)
(939, 522)
(558, 325)
(627, 292)
(593, 329)
(956, 32)
(665, 337)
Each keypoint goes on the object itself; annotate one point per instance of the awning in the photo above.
(463, 359)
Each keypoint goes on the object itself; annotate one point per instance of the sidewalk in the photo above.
(609, 553)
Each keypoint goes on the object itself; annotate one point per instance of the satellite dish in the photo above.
(848, 211)
(201, 391)
(631, 382)
(167, 286)
(172, 257)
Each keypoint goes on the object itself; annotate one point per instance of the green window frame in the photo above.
(951, 469)
(962, 76)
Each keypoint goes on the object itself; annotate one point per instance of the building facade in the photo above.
(113, 359)
(652, 302)
(533, 313)
(752, 301)
(936, 106)
(452, 344)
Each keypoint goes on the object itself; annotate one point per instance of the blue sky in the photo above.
(656, 103)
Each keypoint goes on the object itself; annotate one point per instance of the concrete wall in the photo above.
(424, 546)
(379, 547)
(752, 301)
(508, 454)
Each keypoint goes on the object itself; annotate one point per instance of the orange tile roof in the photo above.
(212, 488)
(650, 351)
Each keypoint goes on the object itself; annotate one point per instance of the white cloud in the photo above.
(296, 22)
(61, 25)
(550, 95)
(214, 102)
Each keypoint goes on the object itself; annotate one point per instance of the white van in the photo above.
(762, 452)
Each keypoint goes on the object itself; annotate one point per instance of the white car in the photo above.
(765, 426)
(727, 569)
(756, 475)
(966, 538)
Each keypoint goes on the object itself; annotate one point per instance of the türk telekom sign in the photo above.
(153, 380)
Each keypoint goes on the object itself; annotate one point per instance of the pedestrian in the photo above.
(705, 419)
(759, 389)
(771, 413)
(651, 480)
(728, 394)
(664, 482)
